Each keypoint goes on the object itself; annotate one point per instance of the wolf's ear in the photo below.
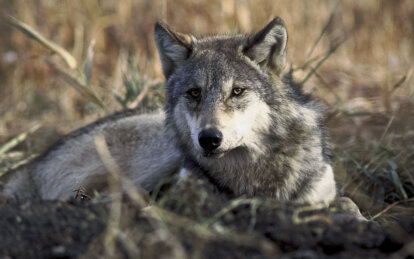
(173, 47)
(268, 47)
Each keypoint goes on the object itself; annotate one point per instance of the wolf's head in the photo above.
(220, 89)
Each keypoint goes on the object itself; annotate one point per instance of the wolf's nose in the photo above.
(210, 139)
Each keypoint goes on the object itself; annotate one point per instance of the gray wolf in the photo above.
(230, 116)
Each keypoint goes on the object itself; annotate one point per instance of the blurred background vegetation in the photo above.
(367, 84)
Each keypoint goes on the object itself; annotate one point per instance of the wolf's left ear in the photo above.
(173, 47)
(268, 47)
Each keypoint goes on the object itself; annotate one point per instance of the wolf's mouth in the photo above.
(214, 154)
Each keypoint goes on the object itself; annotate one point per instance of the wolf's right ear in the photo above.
(268, 47)
(173, 47)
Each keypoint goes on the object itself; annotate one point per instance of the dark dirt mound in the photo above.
(49, 229)
(192, 219)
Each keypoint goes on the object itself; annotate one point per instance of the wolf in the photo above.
(231, 117)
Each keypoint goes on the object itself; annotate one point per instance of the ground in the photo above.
(191, 219)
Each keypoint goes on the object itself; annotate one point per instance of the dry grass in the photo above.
(367, 83)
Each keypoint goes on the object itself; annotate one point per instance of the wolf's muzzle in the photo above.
(210, 139)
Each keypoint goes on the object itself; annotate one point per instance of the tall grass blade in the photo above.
(325, 28)
(87, 68)
(76, 83)
(371, 176)
(396, 179)
(6, 169)
(314, 69)
(17, 140)
(32, 33)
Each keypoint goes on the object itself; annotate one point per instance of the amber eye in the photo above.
(237, 91)
(195, 93)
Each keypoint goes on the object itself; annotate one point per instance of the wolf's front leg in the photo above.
(323, 190)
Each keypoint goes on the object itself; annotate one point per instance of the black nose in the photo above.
(210, 139)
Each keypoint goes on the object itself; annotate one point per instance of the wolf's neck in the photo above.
(286, 166)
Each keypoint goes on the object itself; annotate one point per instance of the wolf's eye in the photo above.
(237, 91)
(195, 93)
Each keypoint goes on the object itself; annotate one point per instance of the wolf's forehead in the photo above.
(209, 79)
(213, 74)
(220, 42)
(217, 71)
(212, 65)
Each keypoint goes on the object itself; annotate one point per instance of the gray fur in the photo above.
(140, 145)
(273, 142)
